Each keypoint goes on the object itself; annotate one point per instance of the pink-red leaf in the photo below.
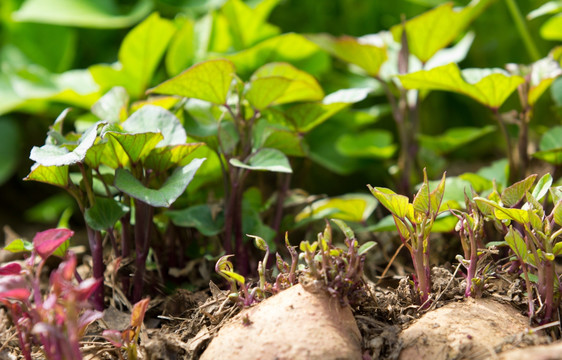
(114, 337)
(86, 288)
(10, 269)
(46, 242)
(14, 287)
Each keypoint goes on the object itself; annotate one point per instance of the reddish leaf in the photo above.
(14, 287)
(67, 268)
(114, 337)
(88, 317)
(46, 242)
(15, 294)
(86, 288)
(10, 269)
(138, 312)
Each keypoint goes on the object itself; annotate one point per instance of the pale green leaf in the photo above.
(265, 160)
(491, 87)
(199, 217)
(53, 175)
(181, 52)
(349, 49)
(248, 26)
(209, 80)
(348, 232)
(349, 207)
(516, 243)
(557, 213)
(551, 7)
(137, 146)
(396, 204)
(552, 28)
(551, 146)
(541, 189)
(112, 107)
(150, 118)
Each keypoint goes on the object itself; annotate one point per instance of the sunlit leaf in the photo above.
(551, 7)
(516, 243)
(501, 213)
(52, 155)
(349, 49)
(105, 213)
(397, 204)
(292, 48)
(541, 189)
(53, 175)
(557, 213)
(235, 276)
(248, 26)
(137, 146)
(137, 314)
(267, 160)
(101, 14)
(209, 80)
(552, 28)
(280, 83)
(514, 193)
(363, 249)
(491, 87)
(344, 228)
(152, 118)
(433, 30)
(161, 159)
(172, 188)
(349, 207)
(181, 52)
(18, 245)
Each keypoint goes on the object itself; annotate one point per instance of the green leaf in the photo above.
(477, 182)
(514, 193)
(556, 193)
(433, 30)
(181, 52)
(281, 83)
(266, 160)
(349, 49)
(292, 48)
(200, 217)
(234, 276)
(101, 14)
(105, 213)
(516, 243)
(374, 144)
(557, 213)
(397, 204)
(52, 155)
(541, 189)
(491, 87)
(501, 213)
(53, 175)
(18, 245)
(259, 242)
(363, 249)
(152, 118)
(112, 107)
(552, 28)
(551, 7)
(209, 80)
(248, 25)
(348, 232)
(557, 249)
(551, 146)
(349, 207)
(136, 146)
(172, 188)
(453, 138)
(161, 159)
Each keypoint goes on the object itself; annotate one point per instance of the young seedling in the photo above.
(128, 338)
(533, 236)
(58, 319)
(414, 222)
(471, 232)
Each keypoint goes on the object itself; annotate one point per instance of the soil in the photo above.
(386, 324)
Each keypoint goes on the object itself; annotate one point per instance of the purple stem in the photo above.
(95, 240)
(143, 221)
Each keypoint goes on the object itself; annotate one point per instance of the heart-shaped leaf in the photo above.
(433, 30)
(161, 159)
(136, 146)
(209, 80)
(46, 242)
(349, 49)
(112, 107)
(172, 188)
(105, 213)
(490, 87)
(265, 160)
(199, 217)
(52, 155)
(514, 193)
(281, 83)
(150, 118)
(53, 175)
